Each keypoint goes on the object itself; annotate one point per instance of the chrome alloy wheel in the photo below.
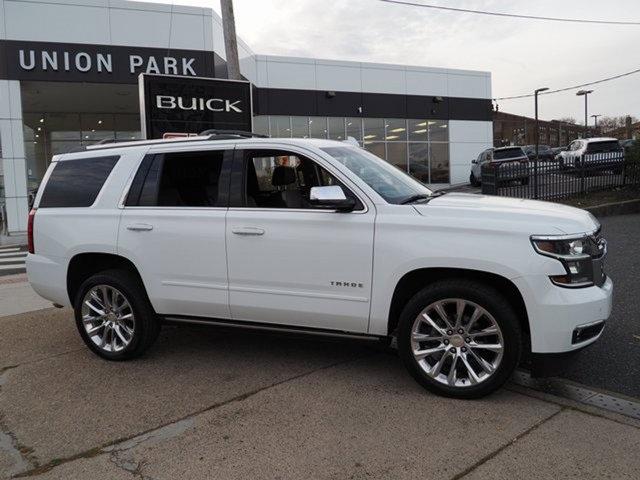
(108, 318)
(457, 342)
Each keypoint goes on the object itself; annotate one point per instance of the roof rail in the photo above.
(207, 135)
(236, 133)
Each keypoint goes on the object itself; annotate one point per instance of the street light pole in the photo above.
(585, 93)
(537, 137)
(595, 122)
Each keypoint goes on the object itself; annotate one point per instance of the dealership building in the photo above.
(69, 78)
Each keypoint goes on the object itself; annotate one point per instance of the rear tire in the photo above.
(469, 341)
(114, 316)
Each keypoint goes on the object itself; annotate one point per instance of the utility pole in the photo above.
(537, 137)
(230, 40)
(585, 94)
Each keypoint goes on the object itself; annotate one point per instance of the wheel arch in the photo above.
(412, 282)
(84, 265)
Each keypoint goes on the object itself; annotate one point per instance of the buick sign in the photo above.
(172, 105)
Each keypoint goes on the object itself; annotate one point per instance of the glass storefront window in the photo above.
(336, 128)
(373, 129)
(96, 127)
(418, 130)
(318, 127)
(377, 148)
(439, 162)
(300, 127)
(280, 126)
(354, 128)
(419, 161)
(396, 130)
(261, 124)
(438, 131)
(397, 154)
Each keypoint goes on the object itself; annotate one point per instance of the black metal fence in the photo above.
(550, 180)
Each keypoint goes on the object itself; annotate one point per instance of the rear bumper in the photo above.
(564, 319)
(48, 277)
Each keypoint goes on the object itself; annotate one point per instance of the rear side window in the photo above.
(508, 153)
(76, 183)
(603, 147)
(184, 179)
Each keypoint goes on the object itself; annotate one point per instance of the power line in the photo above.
(512, 15)
(572, 87)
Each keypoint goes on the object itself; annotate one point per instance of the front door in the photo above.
(291, 263)
(173, 229)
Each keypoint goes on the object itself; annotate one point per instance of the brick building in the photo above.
(510, 129)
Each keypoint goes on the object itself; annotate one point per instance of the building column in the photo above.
(13, 158)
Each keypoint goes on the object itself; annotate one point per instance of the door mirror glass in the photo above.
(331, 196)
(475, 160)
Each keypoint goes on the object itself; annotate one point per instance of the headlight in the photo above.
(575, 256)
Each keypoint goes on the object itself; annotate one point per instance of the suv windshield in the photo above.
(507, 153)
(390, 183)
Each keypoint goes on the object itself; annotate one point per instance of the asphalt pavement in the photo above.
(613, 362)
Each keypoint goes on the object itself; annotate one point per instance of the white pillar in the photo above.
(13, 157)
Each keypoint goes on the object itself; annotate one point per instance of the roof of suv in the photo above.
(205, 141)
(599, 139)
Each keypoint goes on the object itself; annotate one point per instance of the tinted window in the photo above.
(601, 147)
(187, 179)
(279, 179)
(507, 153)
(76, 183)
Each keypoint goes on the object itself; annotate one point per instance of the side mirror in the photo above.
(331, 197)
(475, 160)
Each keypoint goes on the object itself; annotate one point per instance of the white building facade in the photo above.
(68, 78)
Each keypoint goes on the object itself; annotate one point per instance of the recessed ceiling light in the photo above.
(424, 130)
(39, 128)
(42, 120)
(391, 137)
(37, 136)
(367, 137)
(99, 122)
(421, 124)
(395, 130)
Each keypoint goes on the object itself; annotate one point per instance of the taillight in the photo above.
(32, 216)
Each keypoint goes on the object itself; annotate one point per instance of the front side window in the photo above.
(389, 182)
(281, 179)
(181, 179)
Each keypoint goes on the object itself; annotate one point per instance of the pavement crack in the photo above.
(126, 462)
(170, 429)
(21, 455)
(503, 447)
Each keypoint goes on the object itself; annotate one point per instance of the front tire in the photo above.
(459, 338)
(114, 316)
(473, 181)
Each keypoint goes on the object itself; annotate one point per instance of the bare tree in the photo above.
(606, 124)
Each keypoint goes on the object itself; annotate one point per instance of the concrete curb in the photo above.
(615, 208)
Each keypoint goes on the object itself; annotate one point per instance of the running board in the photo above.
(266, 327)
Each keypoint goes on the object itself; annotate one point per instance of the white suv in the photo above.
(313, 236)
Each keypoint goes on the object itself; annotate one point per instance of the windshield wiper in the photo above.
(415, 198)
(422, 196)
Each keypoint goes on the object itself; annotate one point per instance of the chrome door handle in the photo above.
(248, 231)
(140, 227)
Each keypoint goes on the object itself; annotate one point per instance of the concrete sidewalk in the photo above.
(206, 404)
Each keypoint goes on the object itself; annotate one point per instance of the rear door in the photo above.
(173, 229)
(291, 263)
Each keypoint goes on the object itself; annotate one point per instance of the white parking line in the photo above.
(19, 261)
(9, 249)
(18, 254)
(20, 266)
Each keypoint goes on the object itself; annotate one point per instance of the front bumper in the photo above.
(564, 319)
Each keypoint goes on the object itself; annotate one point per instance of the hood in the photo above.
(530, 216)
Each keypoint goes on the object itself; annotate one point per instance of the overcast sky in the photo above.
(520, 54)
